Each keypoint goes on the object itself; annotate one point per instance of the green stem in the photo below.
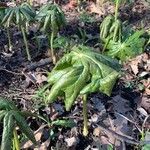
(31, 2)
(9, 39)
(16, 140)
(85, 123)
(116, 9)
(106, 43)
(51, 40)
(26, 43)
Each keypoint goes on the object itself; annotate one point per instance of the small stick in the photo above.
(120, 137)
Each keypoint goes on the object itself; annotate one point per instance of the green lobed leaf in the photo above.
(131, 47)
(8, 127)
(18, 15)
(21, 122)
(51, 17)
(82, 71)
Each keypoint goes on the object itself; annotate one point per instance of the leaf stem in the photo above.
(105, 46)
(25, 42)
(51, 40)
(85, 123)
(9, 39)
(116, 9)
(16, 140)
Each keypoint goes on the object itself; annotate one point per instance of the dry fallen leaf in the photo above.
(40, 78)
(71, 141)
(145, 103)
(97, 131)
(71, 5)
(134, 68)
(95, 9)
(38, 134)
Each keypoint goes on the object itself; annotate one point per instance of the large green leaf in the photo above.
(82, 71)
(132, 46)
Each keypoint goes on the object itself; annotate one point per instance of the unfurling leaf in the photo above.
(79, 72)
(110, 29)
(51, 17)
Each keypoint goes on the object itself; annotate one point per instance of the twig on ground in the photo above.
(19, 74)
(41, 63)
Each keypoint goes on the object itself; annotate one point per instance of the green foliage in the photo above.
(2, 13)
(63, 43)
(123, 1)
(64, 123)
(86, 18)
(81, 71)
(51, 18)
(18, 15)
(110, 29)
(11, 117)
(130, 47)
(146, 138)
(8, 126)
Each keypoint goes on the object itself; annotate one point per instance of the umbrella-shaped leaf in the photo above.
(51, 17)
(18, 15)
(82, 71)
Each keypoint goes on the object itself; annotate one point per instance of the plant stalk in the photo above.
(9, 39)
(85, 123)
(16, 140)
(116, 9)
(26, 43)
(51, 40)
(104, 48)
(30, 2)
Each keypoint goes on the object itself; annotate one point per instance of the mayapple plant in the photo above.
(120, 42)
(51, 19)
(111, 27)
(20, 16)
(80, 72)
(12, 118)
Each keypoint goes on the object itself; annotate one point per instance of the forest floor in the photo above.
(117, 120)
